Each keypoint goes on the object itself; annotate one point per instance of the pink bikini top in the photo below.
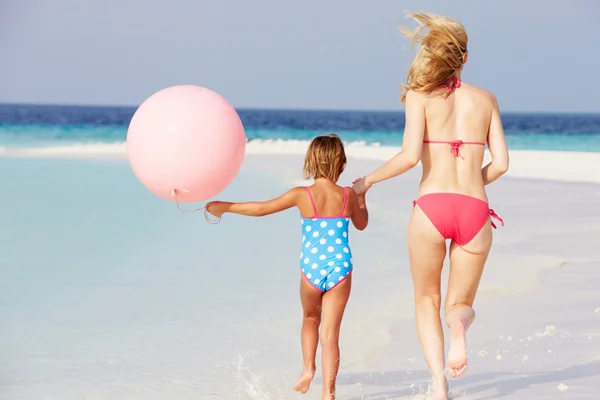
(455, 145)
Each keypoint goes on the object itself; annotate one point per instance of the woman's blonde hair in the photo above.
(325, 158)
(443, 52)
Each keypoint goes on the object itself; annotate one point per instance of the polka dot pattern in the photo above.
(325, 251)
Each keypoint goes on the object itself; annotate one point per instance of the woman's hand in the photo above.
(217, 208)
(360, 186)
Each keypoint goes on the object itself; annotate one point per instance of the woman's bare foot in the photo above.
(439, 389)
(328, 396)
(303, 383)
(457, 355)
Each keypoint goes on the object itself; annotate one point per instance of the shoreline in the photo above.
(563, 166)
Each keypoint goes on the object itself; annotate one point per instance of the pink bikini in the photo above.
(456, 216)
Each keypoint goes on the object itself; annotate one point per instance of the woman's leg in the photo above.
(334, 304)
(466, 268)
(311, 305)
(427, 250)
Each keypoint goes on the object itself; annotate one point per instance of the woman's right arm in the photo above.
(498, 150)
(412, 144)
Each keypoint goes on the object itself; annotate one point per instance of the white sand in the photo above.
(127, 298)
(537, 308)
(555, 165)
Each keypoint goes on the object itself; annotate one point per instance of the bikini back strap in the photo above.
(344, 203)
(312, 202)
(455, 145)
(452, 141)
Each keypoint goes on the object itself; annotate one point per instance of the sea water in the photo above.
(108, 292)
(30, 126)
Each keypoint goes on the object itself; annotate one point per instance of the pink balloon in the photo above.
(187, 138)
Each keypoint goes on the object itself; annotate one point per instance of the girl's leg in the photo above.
(466, 268)
(311, 306)
(427, 250)
(334, 304)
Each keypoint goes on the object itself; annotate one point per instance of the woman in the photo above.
(448, 123)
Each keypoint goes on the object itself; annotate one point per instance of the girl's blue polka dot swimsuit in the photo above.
(326, 258)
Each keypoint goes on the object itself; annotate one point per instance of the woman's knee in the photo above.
(432, 300)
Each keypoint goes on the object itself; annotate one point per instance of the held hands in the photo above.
(360, 186)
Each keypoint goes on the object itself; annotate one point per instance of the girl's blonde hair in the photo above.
(325, 158)
(443, 52)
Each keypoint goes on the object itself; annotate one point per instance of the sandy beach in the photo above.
(547, 165)
(110, 293)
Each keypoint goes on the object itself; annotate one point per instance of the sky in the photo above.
(534, 55)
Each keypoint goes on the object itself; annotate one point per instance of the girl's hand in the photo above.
(217, 208)
(360, 186)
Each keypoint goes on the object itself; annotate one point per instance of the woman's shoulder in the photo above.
(484, 93)
(414, 96)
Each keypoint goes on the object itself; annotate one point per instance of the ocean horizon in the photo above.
(29, 125)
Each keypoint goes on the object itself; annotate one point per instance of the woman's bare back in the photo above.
(466, 115)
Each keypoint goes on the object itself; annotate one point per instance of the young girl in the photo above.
(325, 257)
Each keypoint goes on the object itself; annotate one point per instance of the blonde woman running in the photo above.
(448, 123)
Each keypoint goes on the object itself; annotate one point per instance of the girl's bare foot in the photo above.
(457, 355)
(303, 383)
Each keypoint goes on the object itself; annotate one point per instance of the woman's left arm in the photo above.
(255, 208)
(412, 143)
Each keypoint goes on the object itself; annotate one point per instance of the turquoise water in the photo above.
(108, 291)
(33, 126)
(48, 135)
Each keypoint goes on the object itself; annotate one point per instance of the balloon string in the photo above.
(206, 213)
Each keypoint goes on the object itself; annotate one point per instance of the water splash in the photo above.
(250, 383)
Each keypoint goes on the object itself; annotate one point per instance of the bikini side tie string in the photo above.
(494, 215)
